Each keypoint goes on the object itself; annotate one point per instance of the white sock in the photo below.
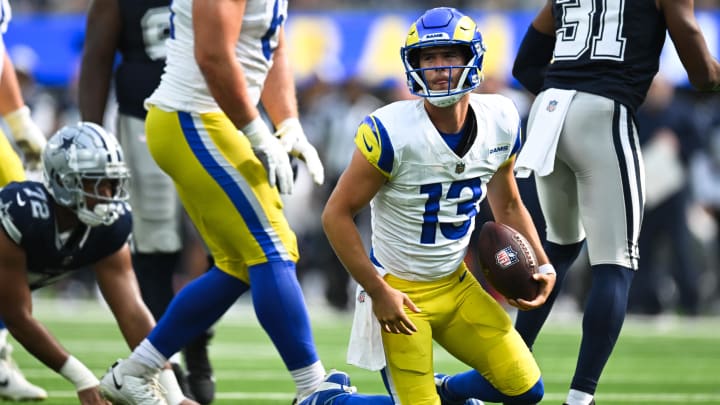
(148, 355)
(576, 397)
(3, 337)
(308, 378)
(175, 358)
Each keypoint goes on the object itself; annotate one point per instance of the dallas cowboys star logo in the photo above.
(4, 207)
(66, 143)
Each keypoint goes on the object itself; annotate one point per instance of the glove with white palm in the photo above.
(271, 153)
(28, 136)
(296, 144)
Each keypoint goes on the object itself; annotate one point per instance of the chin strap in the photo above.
(102, 214)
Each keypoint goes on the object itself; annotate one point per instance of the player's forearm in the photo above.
(102, 33)
(519, 219)
(10, 94)
(93, 89)
(278, 95)
(36, 339)
(121, 292)
(228, 86)
(135, 321)
(343, 235)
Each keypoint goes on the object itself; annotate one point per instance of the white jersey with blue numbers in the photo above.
(423, 216)
(183, 87)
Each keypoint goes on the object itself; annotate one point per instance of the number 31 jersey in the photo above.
(423, 216)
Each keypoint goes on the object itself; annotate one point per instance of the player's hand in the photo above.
(91, 396)
(272, 154)
(547, 283)
(28, 136)
(389, 308)
(295, 142)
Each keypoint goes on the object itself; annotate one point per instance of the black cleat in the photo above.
(200, 373)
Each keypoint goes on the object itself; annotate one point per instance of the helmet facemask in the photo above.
(443, 27)
(78, 162)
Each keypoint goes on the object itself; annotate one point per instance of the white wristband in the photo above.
(169, 382)
(256, 130)
(546, 268)
(291, 122)
(16, 119)
(76, 372)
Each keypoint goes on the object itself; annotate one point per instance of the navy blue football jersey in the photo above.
(607, 47)
(145, 27)
(27, 217)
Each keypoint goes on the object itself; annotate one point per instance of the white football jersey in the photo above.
(183, 87)
(423, 216)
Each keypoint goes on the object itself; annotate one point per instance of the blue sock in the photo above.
(280, 308)
(471, 384)
(194, 309)
(603, 319)
(529, 323)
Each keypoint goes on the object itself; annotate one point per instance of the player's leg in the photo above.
(557, 195)
(196, 261)
(409, 376)
(610, 189)
(202, 302)
(156, 238)
(240, 217)
(156, 234)
(504, 370)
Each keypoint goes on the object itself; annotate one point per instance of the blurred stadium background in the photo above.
(346, 60)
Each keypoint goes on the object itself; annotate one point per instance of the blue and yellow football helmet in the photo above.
(443, 26)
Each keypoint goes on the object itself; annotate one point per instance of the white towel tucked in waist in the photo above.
(538, 153)
(365, 349)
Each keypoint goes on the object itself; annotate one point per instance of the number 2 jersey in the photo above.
(27, 216)
(423, 216)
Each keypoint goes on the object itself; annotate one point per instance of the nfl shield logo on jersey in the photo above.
(552, 105)
(506, 257)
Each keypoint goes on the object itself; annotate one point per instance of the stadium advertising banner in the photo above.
(329, 45)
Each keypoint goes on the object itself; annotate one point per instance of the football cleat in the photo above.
(13, 385)
(200, 373)
(123, 388)
(336, 384)
(441, 386)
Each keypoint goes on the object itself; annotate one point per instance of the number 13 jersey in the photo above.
(423, 216)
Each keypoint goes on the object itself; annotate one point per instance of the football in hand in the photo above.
(508, 261)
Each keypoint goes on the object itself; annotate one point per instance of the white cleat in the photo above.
(13, 385)
(130, 388)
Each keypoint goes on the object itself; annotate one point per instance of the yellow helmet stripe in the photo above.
(465, 29)
(412, 37)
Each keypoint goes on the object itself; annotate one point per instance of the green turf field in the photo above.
(658, 361)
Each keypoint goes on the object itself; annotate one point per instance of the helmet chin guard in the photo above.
(443, 26)
(76, 160)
